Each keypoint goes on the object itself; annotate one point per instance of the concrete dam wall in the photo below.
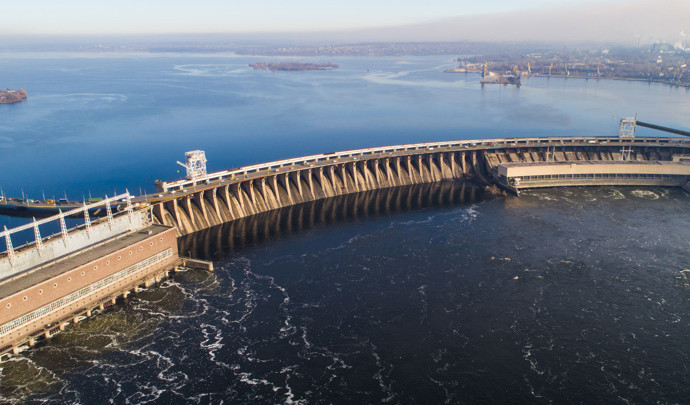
(207, 208)
(231, 195)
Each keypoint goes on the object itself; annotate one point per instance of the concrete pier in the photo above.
(196, 263)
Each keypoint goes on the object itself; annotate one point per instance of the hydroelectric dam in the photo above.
(512, 164)
(52, 282)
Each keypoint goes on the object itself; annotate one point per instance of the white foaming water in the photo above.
(289, 323)
(213, 336)
(210, 70)
(394, 78)
(87, 98)
(646, 194)
(381, 373)
(616, 195)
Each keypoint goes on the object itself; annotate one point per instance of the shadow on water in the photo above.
(218, 241)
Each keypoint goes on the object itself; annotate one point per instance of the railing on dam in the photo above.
(45, 249)
(231, 174)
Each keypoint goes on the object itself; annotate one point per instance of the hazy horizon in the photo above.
(636, 21)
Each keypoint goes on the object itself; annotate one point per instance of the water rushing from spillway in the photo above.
(563, 295)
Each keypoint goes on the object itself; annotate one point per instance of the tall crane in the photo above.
(681, 70)
(675, 75)
(660, 128)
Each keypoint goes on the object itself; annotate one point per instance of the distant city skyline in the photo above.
(356, 19)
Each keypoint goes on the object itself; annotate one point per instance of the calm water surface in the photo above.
(95, 123)
(424, 294)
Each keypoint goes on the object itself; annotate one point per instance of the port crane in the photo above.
(628, 124)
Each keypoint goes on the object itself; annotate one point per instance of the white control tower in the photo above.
(196, 164)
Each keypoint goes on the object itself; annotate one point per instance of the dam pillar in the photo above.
(216, 203)
(398, 172)
(337, 186)
(190, 212)
(310, 182)
(288, 188)
(454, 165)
(463, 163)
(297, 178)
(377, 174)
(272, 188)
(157, 211)
(327, 184)
(388, 172)
(245, 198)
(199, 200)
(348, 179)
(351, 169)
(171, 207)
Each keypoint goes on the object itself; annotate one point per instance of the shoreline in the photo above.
(12, 96)
(629, 79)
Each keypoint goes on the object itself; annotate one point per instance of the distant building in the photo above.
(663, 47)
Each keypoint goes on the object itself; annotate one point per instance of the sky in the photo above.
(379, 19)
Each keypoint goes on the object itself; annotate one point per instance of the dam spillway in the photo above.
(217, 198)
(184, 207)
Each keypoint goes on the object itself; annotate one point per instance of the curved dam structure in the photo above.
(511, 163)
(59, 280)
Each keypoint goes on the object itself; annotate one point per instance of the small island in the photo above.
(12, 96)
(292, 66)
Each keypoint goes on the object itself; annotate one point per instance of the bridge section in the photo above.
(43, 250)
(57, 280)
(216, 198)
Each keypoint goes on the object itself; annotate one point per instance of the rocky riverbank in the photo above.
(12, 96)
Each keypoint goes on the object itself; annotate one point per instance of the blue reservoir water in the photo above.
(573, 295)
(99, 123)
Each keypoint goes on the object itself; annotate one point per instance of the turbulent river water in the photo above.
(424, 294)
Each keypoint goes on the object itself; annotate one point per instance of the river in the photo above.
(433, 293)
